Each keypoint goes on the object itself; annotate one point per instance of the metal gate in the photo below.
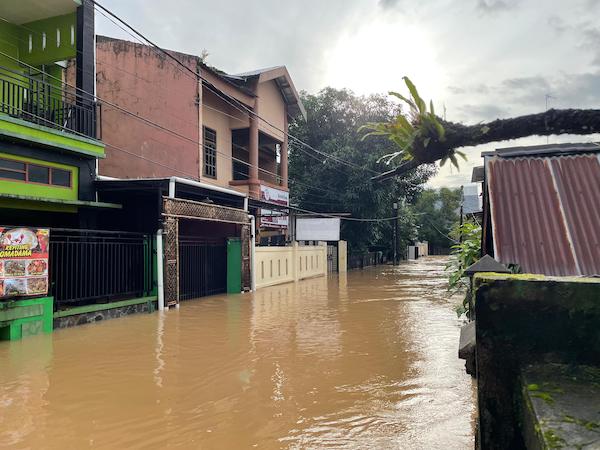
(94, 266)
(202, 267)
(332, 258)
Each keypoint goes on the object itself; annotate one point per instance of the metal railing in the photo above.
(52, 105)
(361, 260)
(91, 266)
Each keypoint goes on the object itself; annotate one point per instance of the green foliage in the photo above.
(437, 214)
(322, 184)
(465, 253)
(416, 133)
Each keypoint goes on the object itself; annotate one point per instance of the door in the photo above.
(202, 267)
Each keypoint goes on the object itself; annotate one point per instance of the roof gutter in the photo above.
(211, 187)
(173, 180)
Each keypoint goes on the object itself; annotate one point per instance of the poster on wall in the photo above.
(268, 217)
(23, 261)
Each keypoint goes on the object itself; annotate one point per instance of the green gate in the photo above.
(234, 265)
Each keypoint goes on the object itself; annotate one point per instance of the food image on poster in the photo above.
(37, 285)
(23, 261)
(15, 286)
(14, 268)
(37, 267)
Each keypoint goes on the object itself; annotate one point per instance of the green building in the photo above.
(49, 121)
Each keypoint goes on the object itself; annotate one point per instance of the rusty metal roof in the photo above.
(545, 212)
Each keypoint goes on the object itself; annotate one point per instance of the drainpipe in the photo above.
(159, 270)
(172, 187)
(252, 250)
(246, 204)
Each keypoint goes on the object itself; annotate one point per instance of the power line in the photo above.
(244, 107)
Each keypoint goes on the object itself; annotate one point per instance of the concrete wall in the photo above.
(138, 79)
(423, 248)
(271, 107)
(523, 320)
(221, 123)
(277, 265)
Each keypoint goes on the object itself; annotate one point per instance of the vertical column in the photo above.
(253, 151)
(85, 70)
(284, 154)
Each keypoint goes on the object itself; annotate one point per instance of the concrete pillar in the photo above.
(284, 154)
(295, 261)
(342, 256)
(253, 157)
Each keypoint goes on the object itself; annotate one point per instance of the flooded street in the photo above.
(363, 360)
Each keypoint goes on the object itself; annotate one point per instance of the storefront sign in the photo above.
(23, 261)
(272, 218)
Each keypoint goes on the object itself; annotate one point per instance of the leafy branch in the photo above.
(413, 133)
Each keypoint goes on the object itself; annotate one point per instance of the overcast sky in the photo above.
(480, 59)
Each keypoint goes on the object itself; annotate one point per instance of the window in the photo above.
(38, 174)
(34, 173)
(13, 170)
(210, 152)
(61, 178)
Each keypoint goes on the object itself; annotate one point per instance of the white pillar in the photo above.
(159, 270)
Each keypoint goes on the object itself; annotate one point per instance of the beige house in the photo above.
(224, 130)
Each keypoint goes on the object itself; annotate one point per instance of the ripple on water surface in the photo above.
(363, 360)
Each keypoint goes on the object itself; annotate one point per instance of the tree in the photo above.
(432, 139)
(335, 176)
(437, 214)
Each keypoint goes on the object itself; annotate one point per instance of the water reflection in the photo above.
(364, 360)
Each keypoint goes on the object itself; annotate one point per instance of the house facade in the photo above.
(201, 160)
(49, 133)
(227, 131)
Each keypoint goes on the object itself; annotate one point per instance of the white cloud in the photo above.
(477, 59)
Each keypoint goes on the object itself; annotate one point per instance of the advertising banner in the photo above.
(271, 218)
(23, 261)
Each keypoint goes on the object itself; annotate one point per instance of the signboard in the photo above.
(23, 261)
(270, 218)
(324, 229)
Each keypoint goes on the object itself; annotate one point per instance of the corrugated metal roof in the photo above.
(546, 212)
(545, 150)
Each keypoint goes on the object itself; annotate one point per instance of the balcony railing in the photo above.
(48, 104)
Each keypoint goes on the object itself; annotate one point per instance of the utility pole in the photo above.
(462, 202)
(396, 237)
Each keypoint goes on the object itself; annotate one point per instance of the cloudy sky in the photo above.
(478, 59)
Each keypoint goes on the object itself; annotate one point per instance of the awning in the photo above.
(79, 203)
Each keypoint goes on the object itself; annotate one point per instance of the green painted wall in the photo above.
(9, 43)
(20, 129)
(234, 265)
(22, 318)
(54, 51)
(36, 205)
(40, 190)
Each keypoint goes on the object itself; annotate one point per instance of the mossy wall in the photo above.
(524, 319)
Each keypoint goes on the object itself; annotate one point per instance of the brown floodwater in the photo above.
(365, 360)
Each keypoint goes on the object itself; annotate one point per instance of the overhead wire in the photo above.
(193, 176)
(238, 105)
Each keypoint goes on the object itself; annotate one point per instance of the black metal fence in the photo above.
(361, 260)
(89, 266)
(202, 267)
(38, 101)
